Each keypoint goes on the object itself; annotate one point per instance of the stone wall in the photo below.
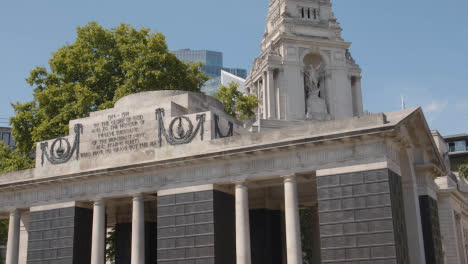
(362, 218)
(60, 236)
(196, 227)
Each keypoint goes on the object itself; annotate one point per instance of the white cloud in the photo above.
(435, 107)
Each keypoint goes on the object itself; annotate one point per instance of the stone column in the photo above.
(98, 243)
(242, 225)
(271, 95)
(138, 230)
(257, 85)
(265, 96)
(293, 229)
(358, 93)
(12, 252)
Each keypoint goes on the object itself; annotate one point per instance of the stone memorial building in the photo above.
(169, 178)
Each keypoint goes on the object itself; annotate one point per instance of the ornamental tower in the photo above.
(305, 70)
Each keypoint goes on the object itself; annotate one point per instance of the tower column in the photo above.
(260, 104)
(138, 230)
(242, 224)
(271, 94)
(98, 243)
(293, 230)
(12, 253)
(265, 95)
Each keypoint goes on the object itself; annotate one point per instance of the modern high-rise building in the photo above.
(212, 66)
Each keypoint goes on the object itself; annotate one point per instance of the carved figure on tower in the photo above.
(314, 103)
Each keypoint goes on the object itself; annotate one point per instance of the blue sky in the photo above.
(415, 48)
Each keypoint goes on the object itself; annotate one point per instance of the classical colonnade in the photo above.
(243, 249)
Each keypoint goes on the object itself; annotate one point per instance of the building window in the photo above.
(460, 145)
(309, 13)
(457, 146)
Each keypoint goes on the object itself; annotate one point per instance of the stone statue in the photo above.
(312, 85)
(314, 75)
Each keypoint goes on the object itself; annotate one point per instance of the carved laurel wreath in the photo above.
(64, 151)
(178, 136)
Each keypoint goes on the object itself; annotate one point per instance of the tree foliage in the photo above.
(3, 231)
(236, 104)
(464, 170)
(12, 160)
(100, 67)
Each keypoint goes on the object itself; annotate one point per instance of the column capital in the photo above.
(99, 201)
(240, 184)
(14, 212)
(138, 197)
(289, 178)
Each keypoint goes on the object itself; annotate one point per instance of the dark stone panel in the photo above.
(82, 235)
(196, 228)
(431, 230)
(60, 236)
(398, 217)
(123, 243)
(150, 242)
(357, 212)
(265, 236)
(225, 228)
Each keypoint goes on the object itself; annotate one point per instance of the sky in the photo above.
(412, 48)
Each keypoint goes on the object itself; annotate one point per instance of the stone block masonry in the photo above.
(60, 236)
(196, 227)
(362, 218)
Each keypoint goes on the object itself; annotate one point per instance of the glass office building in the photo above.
(212, 66)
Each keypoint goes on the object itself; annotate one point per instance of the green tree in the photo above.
(3, 231)
(12, 160)
(3, 234)
(306, 235)
(100, 67)
(236, 104)
(464, 170)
